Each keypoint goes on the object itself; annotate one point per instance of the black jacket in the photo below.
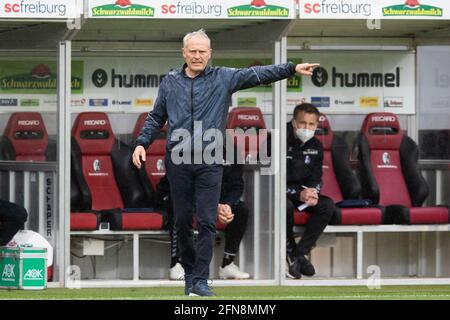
(232, 184)
(304, 163)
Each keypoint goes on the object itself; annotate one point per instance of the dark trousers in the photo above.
(320, 216)
(236, 228)
(195, 186)
(12, 219)
(234, 232)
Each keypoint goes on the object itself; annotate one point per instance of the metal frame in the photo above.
(280, 31)
(63, 194)
(280, 49)
(359, 232)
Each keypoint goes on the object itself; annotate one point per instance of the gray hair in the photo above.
(198, 33)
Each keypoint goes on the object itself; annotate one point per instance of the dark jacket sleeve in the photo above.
(233, 189)
(315, 180)
(155, 119)
(254, 76)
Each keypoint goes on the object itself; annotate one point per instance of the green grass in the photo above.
(237, 293)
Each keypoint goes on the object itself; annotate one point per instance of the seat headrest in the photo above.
(324, 132)
(92, 131)
(158, 146)
(28, 135)
(248, 139)
(382, 130)
(245, 117)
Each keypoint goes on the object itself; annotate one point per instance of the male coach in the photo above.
(199, 94)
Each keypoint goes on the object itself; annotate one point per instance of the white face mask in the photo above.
(304, 134)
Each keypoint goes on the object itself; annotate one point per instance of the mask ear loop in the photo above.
(294, 124)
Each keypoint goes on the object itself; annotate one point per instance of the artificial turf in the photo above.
(241, 293)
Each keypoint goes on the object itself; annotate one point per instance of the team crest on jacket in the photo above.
(307, 160)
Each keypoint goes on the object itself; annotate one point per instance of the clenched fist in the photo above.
(138, 154)
(224, 213)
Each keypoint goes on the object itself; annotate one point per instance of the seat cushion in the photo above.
(142, 221)
(84, 221)
(360, 216)
(301, 217)
(429, 215)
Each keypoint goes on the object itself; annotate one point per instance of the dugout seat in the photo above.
(81, 215)
(107, 178)
(247, 130)
(26, 139)
(390, 175)
(154, 164)
(339, 182)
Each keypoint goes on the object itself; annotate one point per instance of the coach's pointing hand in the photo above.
(306, 69)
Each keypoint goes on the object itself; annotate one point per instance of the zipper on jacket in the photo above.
(192, 107)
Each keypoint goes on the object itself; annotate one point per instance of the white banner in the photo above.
(98, 84)
(346, 83)
(433, 73)
(370, 9)
(193, 9)
(349, 83)
(115, 84)
(41, 9)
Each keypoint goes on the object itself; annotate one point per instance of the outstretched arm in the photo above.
(254, 76)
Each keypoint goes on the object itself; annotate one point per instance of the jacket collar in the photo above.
(207, 70)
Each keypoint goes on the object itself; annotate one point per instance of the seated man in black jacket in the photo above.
(231, 211)
(12, 219)
(304, 175)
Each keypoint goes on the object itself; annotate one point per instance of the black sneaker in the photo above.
(293, 268)
(306, 267)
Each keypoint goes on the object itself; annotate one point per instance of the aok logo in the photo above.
(8, 271)
(95, 122)
(383, 119)
(248, 117)
(28, 122)
(34, 274)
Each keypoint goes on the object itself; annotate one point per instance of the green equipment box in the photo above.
(23, 268)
